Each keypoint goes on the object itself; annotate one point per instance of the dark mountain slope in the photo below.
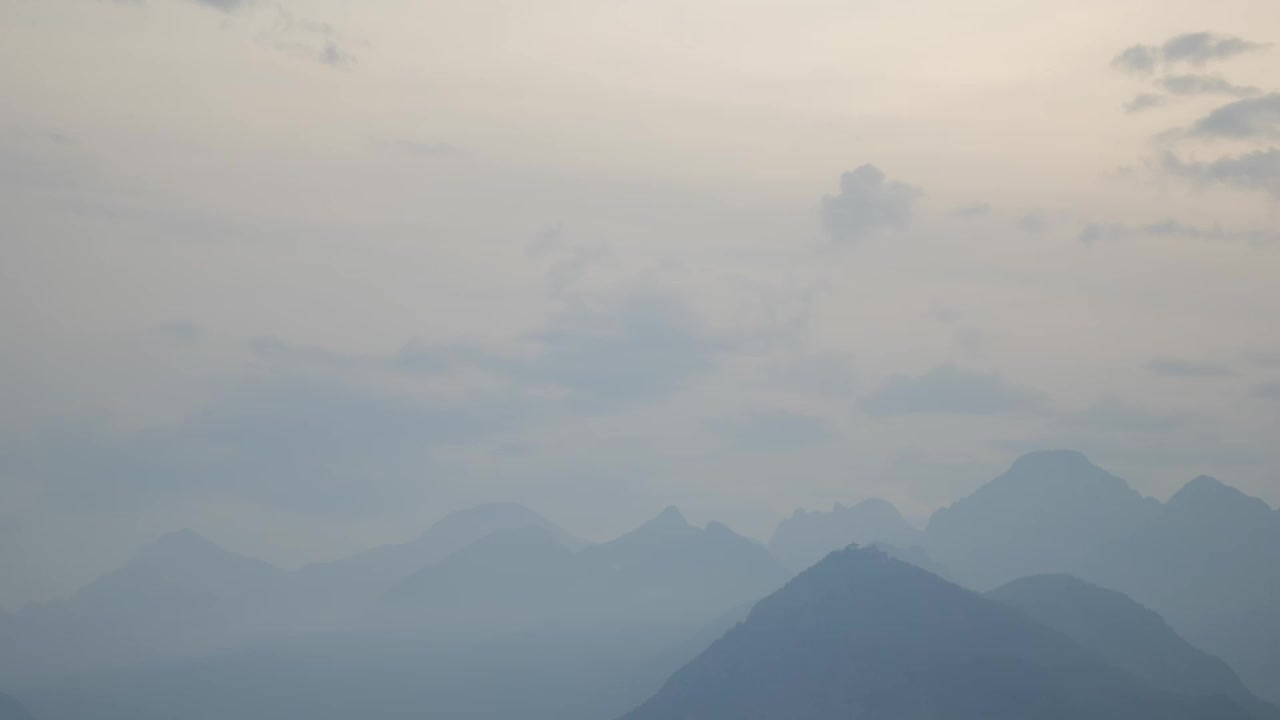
(11, 709)
(1127, 635)
(1209, 563)
(861, 635)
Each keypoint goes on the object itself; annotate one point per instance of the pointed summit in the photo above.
(1207, 490)
(669, 521)
(1047, 513)
(178, 545)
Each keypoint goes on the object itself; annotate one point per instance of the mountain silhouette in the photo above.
(665, 571)
(1047, 513)
(1129, 636)
(331, 592)
(1207, 562)
(863, 635)
(806, 537)
(11, 709)
(179, 595)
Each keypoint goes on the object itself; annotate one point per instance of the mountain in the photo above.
(807, 537)
(1047, 513)
(333, 590)
(863, 635)
(11, 709)
(913, 556)
(178, 595)
(1207, 562)
(1129, 636)
(666, 571)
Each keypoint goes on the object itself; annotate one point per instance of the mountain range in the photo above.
(1178, 597)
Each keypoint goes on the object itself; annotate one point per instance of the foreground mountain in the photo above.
(665, 572)
(11, 709)
(1129, 636)
(1049, 512)
(863, 635)
(1209, 563)
(807, 537)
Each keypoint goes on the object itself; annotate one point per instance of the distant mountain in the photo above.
(917, 556)
(1129, 636)
(1046, 514)
(807, 537)
(863, 635)
(11, 709)
(666, 571)
(179, 595)
(334, 589)
(1209, 563)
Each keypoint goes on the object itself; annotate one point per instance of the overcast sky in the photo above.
(306, 275)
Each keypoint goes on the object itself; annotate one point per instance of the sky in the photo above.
(306, 275)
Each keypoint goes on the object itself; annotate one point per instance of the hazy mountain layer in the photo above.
(1209, 562)
(807, 537)
(1046, 514)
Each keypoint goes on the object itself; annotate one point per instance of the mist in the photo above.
(604, 359)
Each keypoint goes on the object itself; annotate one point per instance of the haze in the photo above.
(303, 277)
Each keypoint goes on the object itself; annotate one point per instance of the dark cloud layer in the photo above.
(1196, 49)
(1095, 232)
(867, 203)
(1204, 85)
(1145, 101)
(1258, 170)
(1250, 118)
(1188, 369)
(948, 389)
(223, 5)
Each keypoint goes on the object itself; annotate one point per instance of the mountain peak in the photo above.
(177, 544)
(670, 519)
(1052, 460)
(1208, 491)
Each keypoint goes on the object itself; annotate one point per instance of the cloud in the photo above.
(1196, 49)
(948, 389)
(223, 5)
(1144, 101)
(320, 447)
(1243, 119)
(867, 203)
(970, 211)
(1113, 415)
(1202, 47)
(1095, 232)
(1187, 369)
(776, 429)
(1258, 170)
(179, 333)
(1204, 85)
(647, 346)
(1139, 58)
(1263, 358)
